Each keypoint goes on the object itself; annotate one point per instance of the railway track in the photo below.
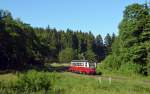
(64, 69)
(113, 78)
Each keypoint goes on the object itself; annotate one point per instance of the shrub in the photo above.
(103, 67)
(31, 82)
(90, 56)
(114, 64)
(130, 68)
(148, 63)
(34, 81)
(66, 55)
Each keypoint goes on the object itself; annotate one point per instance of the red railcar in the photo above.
(82, 66)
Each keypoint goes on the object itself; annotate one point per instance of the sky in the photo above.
(97, 16)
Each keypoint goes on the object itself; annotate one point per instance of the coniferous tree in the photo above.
(99, 48)
(108, 43)
(23, 46)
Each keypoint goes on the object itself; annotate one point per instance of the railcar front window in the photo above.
(92, 65)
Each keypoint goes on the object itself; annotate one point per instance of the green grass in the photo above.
(8, 76)
(58, 64)
(69, 83)
(76, 84)
(31, 82)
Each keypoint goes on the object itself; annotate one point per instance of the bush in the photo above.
(34, 81)
(118, 64)
(148, 63)
(130, 68)
(28, 83)
(104, 66)
(90, 56)
(66, 55)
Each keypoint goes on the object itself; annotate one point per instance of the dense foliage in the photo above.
(22, 46)
(19, 45)
(67, 45)
(131, 49)
(29, 83)
(66, 55)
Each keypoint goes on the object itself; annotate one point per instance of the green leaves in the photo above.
(34, 81)
(90, 56)
(130, 50)
(25, 46)
(66, 55)
(135, 12)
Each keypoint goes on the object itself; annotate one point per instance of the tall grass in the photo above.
(34, 82)
(89, 85)
(30, 82)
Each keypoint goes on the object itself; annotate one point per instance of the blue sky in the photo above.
(98, 16)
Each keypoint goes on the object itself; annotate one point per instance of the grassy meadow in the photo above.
(33, 82)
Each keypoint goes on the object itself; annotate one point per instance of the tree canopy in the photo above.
(23, 45)
(132, 46)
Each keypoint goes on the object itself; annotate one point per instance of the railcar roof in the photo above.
(79, 61)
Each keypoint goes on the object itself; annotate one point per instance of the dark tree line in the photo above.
(22, 45)
(81, 45)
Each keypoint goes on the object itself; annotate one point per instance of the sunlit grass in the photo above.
(8, 76)
(60, 64)
(69, 83)
(74, 84)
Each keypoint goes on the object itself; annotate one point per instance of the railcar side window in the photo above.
(77, 64)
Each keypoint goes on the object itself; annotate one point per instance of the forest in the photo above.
(23, 46)
(123, 60)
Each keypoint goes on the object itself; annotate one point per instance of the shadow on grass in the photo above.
(37, 68)
(58, 68)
